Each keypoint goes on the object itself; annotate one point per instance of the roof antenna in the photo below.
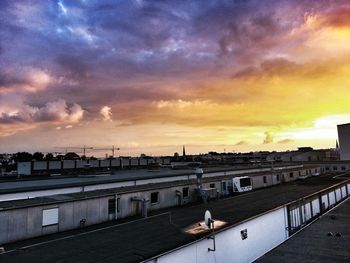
(210, 224)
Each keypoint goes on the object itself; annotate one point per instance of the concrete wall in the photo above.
(264, 233)
(125, 162)
(94, 163)
(116, 162)
(143, 162)
(105, 163)
(134, 161)
(167, 198)
(24, 168)
(55, 165)
(26, 223)
(40, 165)
(68, 164)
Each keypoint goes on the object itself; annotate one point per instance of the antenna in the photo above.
(210, 224)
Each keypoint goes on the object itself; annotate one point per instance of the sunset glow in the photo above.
(151, 76)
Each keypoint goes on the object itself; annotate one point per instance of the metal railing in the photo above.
(304, 210)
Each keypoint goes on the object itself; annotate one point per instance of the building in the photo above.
(78, 166)
(303, 154)
(246, 227)
(86, 201)
(344, 141)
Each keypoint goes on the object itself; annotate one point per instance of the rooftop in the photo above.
(117, 176)
(318, 242)
(142, 239)
(68, 197)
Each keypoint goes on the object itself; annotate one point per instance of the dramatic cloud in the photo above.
(27, 79)
(56, 111)
(199, 66)
(106, 113)
(268, 138)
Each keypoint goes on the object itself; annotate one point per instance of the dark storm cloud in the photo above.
(108, 52)
(6, 118)
(74, 66)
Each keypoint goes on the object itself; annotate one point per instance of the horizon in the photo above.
(149, 77)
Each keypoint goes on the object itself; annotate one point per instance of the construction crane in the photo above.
(83, 149)
(113, 149)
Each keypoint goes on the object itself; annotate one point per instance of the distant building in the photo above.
(344, 141)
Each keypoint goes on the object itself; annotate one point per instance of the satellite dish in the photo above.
(210, 224)
(207, 218)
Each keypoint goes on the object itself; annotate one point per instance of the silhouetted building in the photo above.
(344, 141)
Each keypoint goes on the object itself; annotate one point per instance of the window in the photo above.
(118, 204)
(244, 182)
(277, 177)
(223, 185)
(327, 168)
(50, 217)
(335, 168)
(154, 197)
(185, 192)
(111, 206)
(291, 174)
(343, 168)
(212, 185)
(264, 179)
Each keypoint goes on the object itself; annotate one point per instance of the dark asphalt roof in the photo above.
(144, 239)
(313, 244)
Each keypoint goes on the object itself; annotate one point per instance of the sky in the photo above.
(151, 76)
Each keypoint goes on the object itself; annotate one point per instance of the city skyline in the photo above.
(151, 76)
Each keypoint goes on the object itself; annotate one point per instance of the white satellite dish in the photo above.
(207, 218)
(210, 224)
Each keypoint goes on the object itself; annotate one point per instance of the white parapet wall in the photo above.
(264, 233)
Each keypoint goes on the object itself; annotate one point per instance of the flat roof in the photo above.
(146, 238)
(344, 124)
(70, 197)
(118, 176)
(317, 242)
